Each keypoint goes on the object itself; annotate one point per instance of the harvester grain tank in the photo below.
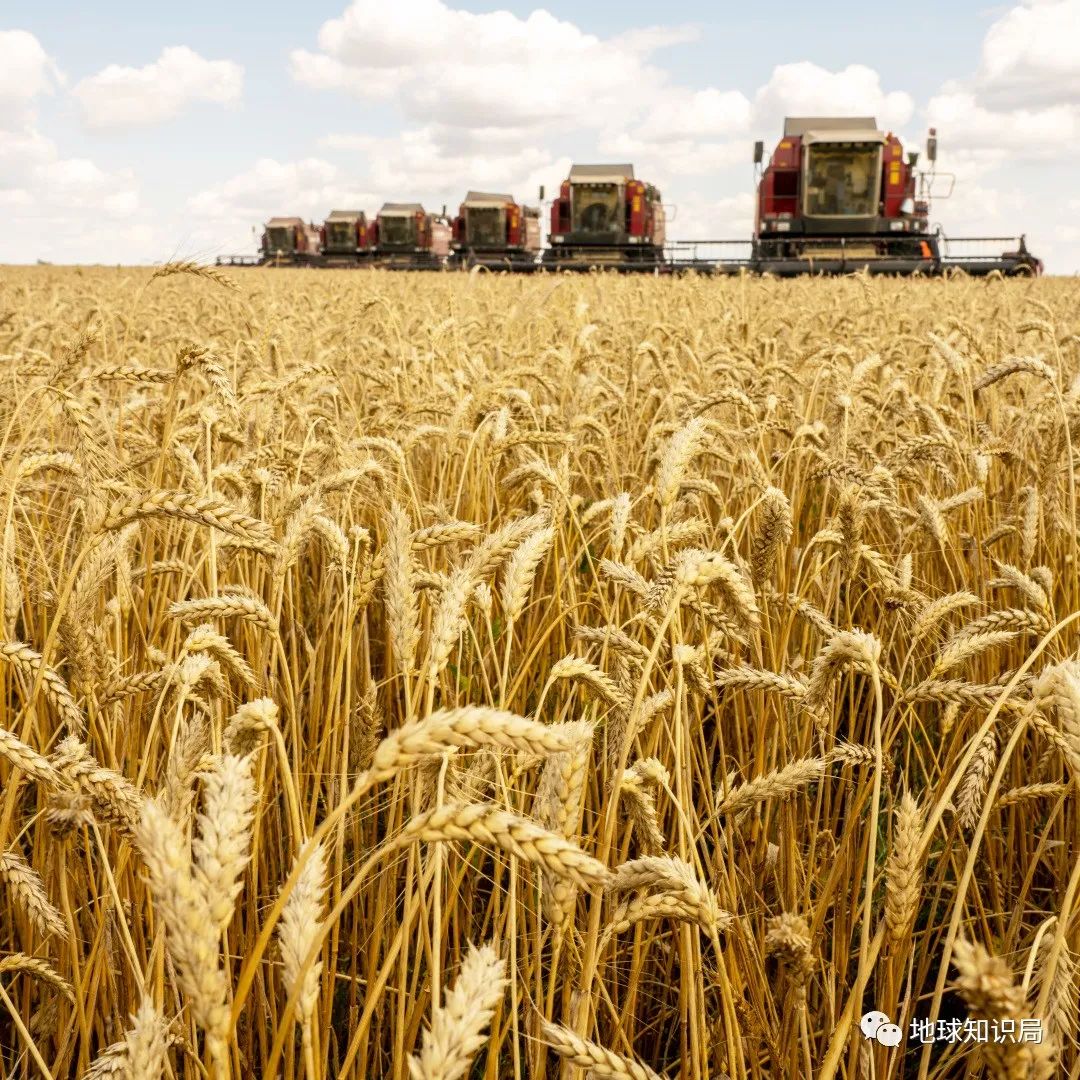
(495, 231)
(289, 240)
(406, 237)
(345, 237)
(838, 194)
(605, 217)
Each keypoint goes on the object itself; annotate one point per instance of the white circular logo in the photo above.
(889, 1035)
(871, 1022)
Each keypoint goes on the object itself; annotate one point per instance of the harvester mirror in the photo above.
(759, 152)
(541, 192)
(931, 145)
(913, 158)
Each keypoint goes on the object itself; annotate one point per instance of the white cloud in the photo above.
(656, 159)
(462, 69)
(25, 72)
(683, 113)
(805, 89)
(425, 160)
(309, 188)
(125, 97)
(1031, 56)
(1024, 99)
(62, 207)
(968, 124)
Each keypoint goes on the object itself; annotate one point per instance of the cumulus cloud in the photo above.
(47, 186)
(57, 202)
(805, 89)
(26, 71)
(125, 97)
(682, 113)
(494, 69)
(308, 187)
(426, 160)
(1031, 56)
(968, 124)
(1024, 99)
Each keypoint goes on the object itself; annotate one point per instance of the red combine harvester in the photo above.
(346, 238)
(406, 237)
(289, 241)
(496, 232)
(604, 217)
(838, 195)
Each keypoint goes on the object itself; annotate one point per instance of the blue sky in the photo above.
(156, 131)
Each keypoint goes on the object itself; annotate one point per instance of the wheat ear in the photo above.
(223, 846)
(458, 1027)
(191, 929)
(28, 890)
(487, 824)
(300, 926)
(600, 1062)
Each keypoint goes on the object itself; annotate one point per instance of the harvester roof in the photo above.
(601, 174)
(283, 222)
(833, 129)
(344, 215)
(401, 208)
(487, 198)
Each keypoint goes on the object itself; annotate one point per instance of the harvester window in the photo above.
(843, 181)
(485, 226)
(280, 239)
(397, 229)
(595, 208)
(339, 233)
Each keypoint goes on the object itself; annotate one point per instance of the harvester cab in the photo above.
(345, 236)
(605, 216)
(495, 231)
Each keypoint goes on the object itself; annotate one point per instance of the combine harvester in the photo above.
(604, 218)
(346, 238)
(838, 196)
(407, 237)
(495, 232)
(286, 241)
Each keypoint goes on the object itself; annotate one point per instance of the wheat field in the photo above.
(446, 676)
